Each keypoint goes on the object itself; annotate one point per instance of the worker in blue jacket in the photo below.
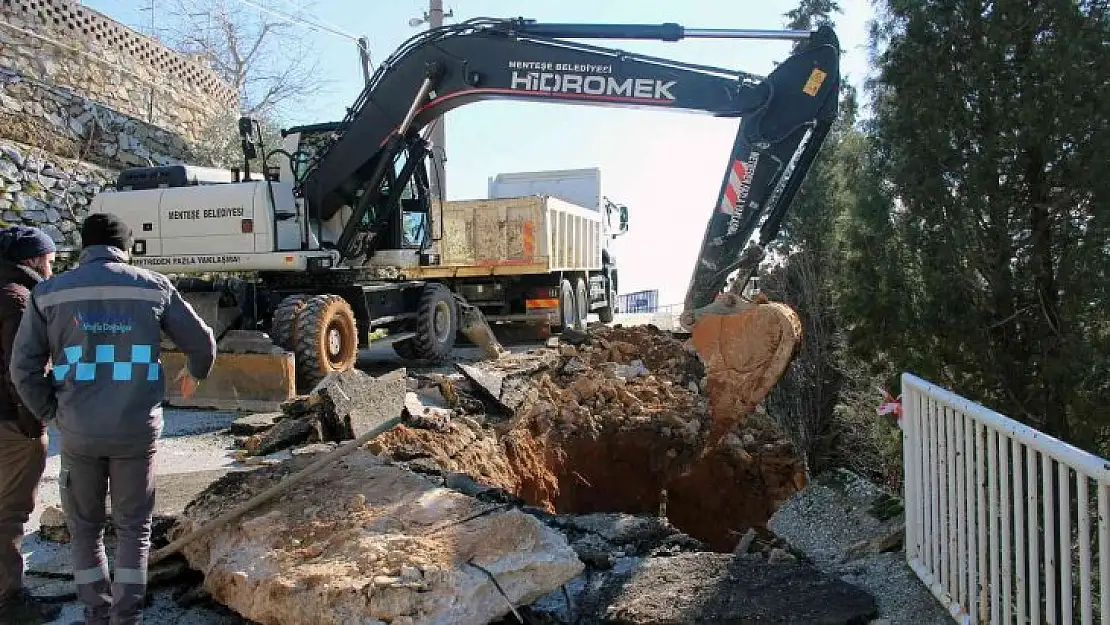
(99, 327)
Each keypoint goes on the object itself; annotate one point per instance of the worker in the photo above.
(100, 325)
(26, 257)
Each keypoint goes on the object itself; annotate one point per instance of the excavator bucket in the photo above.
(746, 353)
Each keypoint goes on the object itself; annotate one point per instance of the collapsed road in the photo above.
(575, 483)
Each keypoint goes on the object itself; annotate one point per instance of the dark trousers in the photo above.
(86, 478)
(22, 461)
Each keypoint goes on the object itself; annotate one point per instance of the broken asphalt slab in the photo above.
(362, 540)
(720, 589)
(705, 588)
(850, 528)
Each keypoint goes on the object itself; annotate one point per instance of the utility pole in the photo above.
(438, 182)
(364, 58)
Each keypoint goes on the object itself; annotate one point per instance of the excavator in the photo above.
(325, 239)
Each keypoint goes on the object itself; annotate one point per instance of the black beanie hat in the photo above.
(20, 243)
(106, 229)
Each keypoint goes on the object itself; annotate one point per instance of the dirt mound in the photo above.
(618, 423)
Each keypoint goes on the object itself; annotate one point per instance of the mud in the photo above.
(620, 423)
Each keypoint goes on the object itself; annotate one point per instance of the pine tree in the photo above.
(992, 127)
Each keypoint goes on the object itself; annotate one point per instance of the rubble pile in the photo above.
(577, 483)
(617, 423)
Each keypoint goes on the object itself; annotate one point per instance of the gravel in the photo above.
(829, 519)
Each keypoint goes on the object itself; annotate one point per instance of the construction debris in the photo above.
(619, 422)
(563, 483)
(255, 423)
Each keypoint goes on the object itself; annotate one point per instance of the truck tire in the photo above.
(405, 349)
(608, 312)
(283, 327)
(437, 324)
(327, 339)
(581, 304)
(568, 312)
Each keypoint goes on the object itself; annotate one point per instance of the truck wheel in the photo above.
(405, 349)
(567, 310)
(437, 323)
(607, 313)
(284, 325)
(582, 304)
(327, 338)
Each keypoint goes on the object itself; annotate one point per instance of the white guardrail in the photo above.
(999, 515)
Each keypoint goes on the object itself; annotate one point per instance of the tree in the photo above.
(804, 400)
(268, 59)
(265, 57)
(989, 120)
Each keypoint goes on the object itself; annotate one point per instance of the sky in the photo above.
(667, 167)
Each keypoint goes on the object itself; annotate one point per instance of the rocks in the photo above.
(351, 402)
(255, 423)
(362, 540)
(284, 434)
(342, 406)
(52, 525)
(33, 198)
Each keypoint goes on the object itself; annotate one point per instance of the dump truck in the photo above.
(536, 250)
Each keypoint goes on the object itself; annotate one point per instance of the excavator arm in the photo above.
(785, 116)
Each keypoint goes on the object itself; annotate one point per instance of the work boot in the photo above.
(26, 609)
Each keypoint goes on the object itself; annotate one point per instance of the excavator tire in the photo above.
(745, 354)
(283, 328)
(437, 323)
(607, 313)
(568, 312)
(581, 304)
(327, 339)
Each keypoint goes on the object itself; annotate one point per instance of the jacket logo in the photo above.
(102, 324)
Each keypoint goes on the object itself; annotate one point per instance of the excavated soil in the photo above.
(621, 424)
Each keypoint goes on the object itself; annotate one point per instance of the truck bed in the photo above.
(515, 236)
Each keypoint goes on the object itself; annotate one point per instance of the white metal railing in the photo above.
(990, 505)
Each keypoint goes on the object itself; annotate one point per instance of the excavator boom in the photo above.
(785, 116)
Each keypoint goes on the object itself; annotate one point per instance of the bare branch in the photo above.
(268, 61)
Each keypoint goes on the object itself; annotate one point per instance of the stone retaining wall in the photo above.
(82, 97)
(40, 189)
(63, 123)
(69, 45)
